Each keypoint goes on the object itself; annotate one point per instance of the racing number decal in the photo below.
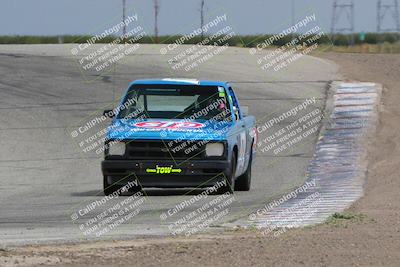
(254, 134)
(242, 151)
(169, 125)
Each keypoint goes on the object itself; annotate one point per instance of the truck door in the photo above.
(240, 129)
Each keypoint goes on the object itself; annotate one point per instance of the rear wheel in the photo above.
(243, 182)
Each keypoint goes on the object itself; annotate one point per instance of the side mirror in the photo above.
(245, 110)
(109, 113)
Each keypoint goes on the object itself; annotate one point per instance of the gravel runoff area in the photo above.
(368, 234)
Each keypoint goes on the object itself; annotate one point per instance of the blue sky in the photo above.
(53, 17)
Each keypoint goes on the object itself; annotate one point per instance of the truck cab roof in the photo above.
(176, 81)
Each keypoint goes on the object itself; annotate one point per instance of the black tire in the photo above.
(243, 182)
(109, 189)
(230, 180)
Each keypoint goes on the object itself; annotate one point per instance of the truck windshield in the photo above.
(175, 102)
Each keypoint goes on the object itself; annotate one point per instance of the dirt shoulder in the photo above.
(370, 236)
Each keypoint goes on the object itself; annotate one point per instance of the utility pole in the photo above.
(391, 7)
(202, 18)
(123, 16)
(156, 10)
(293, 13)
(340, 7)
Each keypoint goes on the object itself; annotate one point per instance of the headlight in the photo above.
(214, 149)
(116, 148)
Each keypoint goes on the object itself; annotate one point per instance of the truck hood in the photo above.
(168, 129)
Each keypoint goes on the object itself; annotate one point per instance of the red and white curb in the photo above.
(337, 171)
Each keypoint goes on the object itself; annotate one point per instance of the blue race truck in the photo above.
(179, 133)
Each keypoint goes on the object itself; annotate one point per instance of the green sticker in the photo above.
(163, 170)
(222, 94)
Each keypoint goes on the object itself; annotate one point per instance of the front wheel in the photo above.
(110, 189)
(229, 180)
(243, 182)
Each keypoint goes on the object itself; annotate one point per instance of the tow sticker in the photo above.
(164, 170)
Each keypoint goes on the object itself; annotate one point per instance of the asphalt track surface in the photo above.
(44, 175)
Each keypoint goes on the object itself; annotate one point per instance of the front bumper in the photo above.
(166, 173)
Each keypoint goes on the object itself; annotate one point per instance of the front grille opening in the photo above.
(144, 149)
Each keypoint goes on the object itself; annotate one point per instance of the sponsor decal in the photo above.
(163, 170)
(221, 91)
(169, 125)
